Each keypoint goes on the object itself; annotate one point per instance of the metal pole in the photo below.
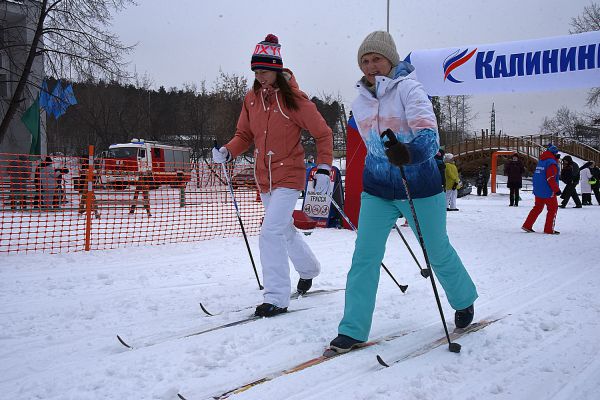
(452, 346)
(237, 211)
(388, 16)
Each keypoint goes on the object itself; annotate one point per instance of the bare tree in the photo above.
(562, 124)
(455, 116)
(72, 38)
(225, 104)
(588, 21)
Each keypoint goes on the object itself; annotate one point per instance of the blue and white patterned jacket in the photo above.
(401, 105)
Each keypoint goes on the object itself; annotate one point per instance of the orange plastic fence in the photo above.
(58, 204)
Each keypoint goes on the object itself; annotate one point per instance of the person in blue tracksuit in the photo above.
(389, 97)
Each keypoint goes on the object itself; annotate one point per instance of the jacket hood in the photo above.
(403, 69)
(547, 155)
(291, 79)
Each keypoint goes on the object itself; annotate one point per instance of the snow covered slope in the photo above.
(60, 314)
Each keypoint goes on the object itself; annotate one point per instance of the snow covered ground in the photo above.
(60, 314)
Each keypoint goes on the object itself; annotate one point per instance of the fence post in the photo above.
(181, 180)
(88, 198)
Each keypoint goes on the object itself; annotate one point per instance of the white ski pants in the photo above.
(451, 198)
(279, 240)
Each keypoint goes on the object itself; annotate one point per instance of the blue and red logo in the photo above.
(454, 61)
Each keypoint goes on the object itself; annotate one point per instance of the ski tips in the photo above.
(181, 396)
(381, 362)
(205, 310)
(123, 342)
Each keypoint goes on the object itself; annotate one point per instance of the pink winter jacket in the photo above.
(275, 131)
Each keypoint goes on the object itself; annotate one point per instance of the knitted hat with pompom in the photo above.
(267, 55)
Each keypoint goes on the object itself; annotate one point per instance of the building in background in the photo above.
(18, 19)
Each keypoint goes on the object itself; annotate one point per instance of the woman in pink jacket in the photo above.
(274, 112)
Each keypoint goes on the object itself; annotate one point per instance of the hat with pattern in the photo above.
(267, 55)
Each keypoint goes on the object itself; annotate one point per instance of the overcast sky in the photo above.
(188, 41)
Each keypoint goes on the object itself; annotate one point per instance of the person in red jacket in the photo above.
(273, 115)
(545, 190)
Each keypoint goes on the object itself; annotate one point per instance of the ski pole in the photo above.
(237, 211)
(452, 346)
(343, 214)
(425, 272)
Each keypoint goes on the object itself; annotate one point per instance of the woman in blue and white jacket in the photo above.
(389, 97)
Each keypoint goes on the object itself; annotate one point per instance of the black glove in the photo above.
(395, 151)
(558, 193)
(454, 186)
(321, 180)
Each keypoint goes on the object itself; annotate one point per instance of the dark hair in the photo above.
(289, 97)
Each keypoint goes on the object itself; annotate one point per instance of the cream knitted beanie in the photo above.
(379, 42)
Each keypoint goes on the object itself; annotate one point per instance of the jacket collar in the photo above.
(402, 71)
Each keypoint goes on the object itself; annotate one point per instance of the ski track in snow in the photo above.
(60, 314)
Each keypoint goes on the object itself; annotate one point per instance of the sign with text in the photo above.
(563, 62)
(318, 206)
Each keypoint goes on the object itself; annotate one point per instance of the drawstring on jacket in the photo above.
(263, 100)
(270, 154)
(254, 169)
(279, 105)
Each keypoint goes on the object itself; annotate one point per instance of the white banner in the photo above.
(564, 62)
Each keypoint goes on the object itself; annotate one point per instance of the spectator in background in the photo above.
(59, 194)
(46, 183)
(452, 181)
(595, 181)
(514, 171)
(483, 176)
(142, 186)
(545, 190)
(570, 177)
(18, 172)
(310, 162)
(586, 181)
(439, 160)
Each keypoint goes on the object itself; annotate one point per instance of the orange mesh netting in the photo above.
(59, 204)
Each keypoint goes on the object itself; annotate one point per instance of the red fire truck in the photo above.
(123, 164)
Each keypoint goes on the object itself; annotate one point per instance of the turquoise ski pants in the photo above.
(376, 219)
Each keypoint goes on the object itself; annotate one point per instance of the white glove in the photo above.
(321, 179)
(221, 155)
